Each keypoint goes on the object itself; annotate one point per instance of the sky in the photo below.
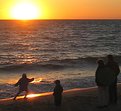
(66, 9)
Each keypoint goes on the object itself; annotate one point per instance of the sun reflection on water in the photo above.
(26, 59)
(38, 80)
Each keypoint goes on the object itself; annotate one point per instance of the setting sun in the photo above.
(60, 9)
(25, 11)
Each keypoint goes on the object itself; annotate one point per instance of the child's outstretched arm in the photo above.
(30, 80)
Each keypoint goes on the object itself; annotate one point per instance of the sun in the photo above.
(25, 11)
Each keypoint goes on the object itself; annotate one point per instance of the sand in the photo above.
(84, 99)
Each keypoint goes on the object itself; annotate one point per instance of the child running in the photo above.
(23, 85)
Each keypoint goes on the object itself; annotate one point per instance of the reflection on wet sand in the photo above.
(28, 96)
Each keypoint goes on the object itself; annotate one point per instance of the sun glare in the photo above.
(37, 80)
(33, 95)
(25, 11)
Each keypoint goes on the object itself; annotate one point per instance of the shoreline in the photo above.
(43, 94)
(79, 99)
(35, 95)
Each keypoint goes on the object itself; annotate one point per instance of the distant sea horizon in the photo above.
(60, 19)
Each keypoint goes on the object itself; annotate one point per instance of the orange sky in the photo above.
(67, 9)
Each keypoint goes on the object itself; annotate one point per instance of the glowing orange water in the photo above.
(37, 80)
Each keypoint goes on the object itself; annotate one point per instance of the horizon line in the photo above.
(60, 19)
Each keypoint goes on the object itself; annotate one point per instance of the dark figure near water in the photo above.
(114, 67)
(102, 81)
(57, 93)
(23, 85)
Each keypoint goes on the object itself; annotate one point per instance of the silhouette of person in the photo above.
(57, 93)
(114, 67)
(101, 79)
(23, 85)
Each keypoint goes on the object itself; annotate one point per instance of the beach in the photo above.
(80, 99)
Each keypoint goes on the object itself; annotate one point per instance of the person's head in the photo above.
(100, 62)
(57, 82)
(24, 75)
(110, 57)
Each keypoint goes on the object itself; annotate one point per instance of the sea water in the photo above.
(55, 49)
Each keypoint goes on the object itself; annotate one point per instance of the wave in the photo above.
(56, 64)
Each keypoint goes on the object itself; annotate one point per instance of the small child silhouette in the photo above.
(57, 93)
(23, 85)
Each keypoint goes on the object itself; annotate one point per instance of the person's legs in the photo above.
(57, 100)
(26, 93)
(113, 94)
(102, 96)
(105, 96)
(16, 95)
(99, 95)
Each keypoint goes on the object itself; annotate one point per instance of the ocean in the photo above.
(55, 49)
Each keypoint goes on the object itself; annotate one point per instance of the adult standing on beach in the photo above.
(101, 79)
(114, 67)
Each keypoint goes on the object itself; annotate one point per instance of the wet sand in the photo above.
(84, 99)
